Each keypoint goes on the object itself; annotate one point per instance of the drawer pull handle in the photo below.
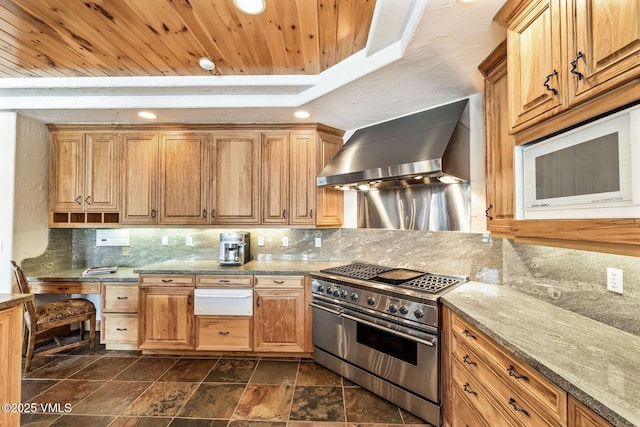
(574, 66)
(223, 333)
(465, 387)
(486, 212)
(79, 200)
(121, 298)
(546, 83)
(121, 329)
(63, 289)
(167, 280)
(466, 333)
(258, 302)
(512, 402)
(223, 281)
(466, 360)
(278, 282)
(511, 371)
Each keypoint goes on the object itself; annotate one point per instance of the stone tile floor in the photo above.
(121, 388)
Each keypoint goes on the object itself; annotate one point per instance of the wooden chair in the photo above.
(51, 315)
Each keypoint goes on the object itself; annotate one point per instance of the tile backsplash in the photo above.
(572, 279)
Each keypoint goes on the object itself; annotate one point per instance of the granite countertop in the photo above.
(130, 274)
(11, 300)
(597, 364)
(252, 267)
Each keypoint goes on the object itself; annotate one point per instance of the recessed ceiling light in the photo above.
(147, 115)
(302, 114)
(446, 179)
(252, 7)
(206, 64)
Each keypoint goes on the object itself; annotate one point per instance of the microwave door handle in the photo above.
(391, 331)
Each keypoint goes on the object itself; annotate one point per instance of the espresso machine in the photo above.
(234, 248)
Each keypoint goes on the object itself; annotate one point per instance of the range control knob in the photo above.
(404, 309)
(354, 296)
(336, 293)
(371, 300)
(393, 308)
(320, 288)
(418, 313)
(343, 293)
(329, 291)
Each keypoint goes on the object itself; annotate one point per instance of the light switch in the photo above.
(165, 240)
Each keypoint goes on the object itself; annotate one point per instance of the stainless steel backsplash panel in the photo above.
(428, 207)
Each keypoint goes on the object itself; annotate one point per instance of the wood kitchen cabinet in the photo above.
(184, 178)
(11, 324)
(279, 315)
(603, 45)
(84, 178)
(290, 163)
(275, 167)
(235, 187)
(536, 65)
(224, 333)
(139, 177)
(499, 144)
(166, 318)
(581, 416)
(119, 323)
(485, 381)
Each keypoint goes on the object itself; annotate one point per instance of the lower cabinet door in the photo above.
(224, 333)
(118, 328)
(166, 318)
(279, 320)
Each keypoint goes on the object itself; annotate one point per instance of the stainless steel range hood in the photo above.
(417, 149)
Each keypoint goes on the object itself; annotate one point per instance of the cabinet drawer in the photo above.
(279, 281)
(65, 287)
(463, 414)
(119, 328)
(223, 333)
(477, 397)
(549, 400)
(167, 280)
(120, 298)
(224, 281)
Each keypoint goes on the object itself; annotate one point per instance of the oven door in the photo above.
(400, 355)
(328, 331)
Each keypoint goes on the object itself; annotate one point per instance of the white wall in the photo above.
(7, 186)
(31, 202)
(24, 181)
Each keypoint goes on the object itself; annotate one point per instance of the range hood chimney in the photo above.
(431, 146)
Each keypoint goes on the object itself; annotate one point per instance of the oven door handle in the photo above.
(325, 308)
(391, 331)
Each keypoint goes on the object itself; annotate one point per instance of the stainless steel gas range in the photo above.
(379, 327)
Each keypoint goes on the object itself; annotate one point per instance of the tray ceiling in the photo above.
(116, 38)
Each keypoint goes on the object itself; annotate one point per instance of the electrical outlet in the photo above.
(165, 240)
(285, 241)
(189, 241)
(614, 280)
(125, 251)
(260, 240)
(318, 242)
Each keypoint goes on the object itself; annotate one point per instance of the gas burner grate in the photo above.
(431, 283)
(358, 270)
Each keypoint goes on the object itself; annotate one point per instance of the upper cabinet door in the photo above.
(184, 178)
(303, 178)
(102, 178)
(275, 178)
(67, 171)
(604, 46)
(139, 177)
(329, 202)
(535, 63)
(236, 182)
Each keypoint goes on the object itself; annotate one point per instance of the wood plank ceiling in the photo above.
(112, 38)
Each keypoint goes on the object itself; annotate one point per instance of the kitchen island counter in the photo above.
(597, 364)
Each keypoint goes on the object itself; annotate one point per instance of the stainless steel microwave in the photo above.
(592, 171)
